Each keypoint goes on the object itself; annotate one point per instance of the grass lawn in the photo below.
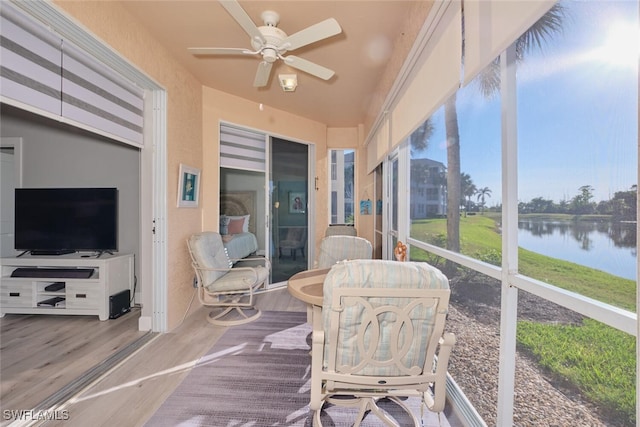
(596, 358)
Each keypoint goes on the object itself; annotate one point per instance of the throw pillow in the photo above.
(224, 224)
(235, 226)
(245, 226)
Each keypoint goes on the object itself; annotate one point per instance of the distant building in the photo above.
(342, 184)
(428, 189)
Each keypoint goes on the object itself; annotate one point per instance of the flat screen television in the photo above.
(54, 221)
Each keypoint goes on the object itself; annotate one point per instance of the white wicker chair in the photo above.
(381, 337)
(227, 285)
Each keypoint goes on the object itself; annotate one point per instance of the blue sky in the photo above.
(577, 111)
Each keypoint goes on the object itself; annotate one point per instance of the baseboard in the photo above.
(144, 323)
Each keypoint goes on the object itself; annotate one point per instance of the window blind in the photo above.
(98, 99)
(435, 78)
(378, 146)
(242, 149)
(30, 62)
(490, 26)
(44, 73)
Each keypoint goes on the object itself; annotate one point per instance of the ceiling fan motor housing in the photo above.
(274, 37)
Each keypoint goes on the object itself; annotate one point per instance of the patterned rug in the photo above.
(258, 374)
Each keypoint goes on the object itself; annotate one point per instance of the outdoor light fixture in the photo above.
(289, 82)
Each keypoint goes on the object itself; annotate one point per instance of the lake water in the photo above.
(606, 246)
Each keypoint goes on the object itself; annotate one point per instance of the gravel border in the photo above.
(474, 367)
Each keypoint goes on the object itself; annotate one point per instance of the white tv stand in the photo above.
(79, 296)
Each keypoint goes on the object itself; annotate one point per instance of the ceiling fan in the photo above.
(271, 43)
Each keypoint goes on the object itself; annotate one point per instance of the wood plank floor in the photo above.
(132, 392)
(39, 354)
(127, 395)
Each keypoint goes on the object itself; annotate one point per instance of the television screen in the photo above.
(62, 220)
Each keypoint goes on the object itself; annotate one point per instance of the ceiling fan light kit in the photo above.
(288, 82)
(271, 43)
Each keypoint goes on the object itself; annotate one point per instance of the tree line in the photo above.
(623, 204)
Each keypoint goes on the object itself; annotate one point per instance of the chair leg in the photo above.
(367, 404)
(316, 418)
(226, 316)
(370, 404)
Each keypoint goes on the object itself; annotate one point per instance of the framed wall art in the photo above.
(188, 187)
(297, 203)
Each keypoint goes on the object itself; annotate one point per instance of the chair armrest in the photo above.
(447, 341)
(211, 269)
(267, 262)
(317, 337)
(200, 270)
(317, 351)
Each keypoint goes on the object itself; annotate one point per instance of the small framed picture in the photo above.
(188, 187)
(297, 203)
(365, 207)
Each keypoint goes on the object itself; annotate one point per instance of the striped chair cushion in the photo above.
(353, 323)
(339, 248)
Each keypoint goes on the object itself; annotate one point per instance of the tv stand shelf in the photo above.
(68, 295)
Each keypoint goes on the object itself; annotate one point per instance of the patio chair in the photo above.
(296, 239)
(228, 287)
(381, 337)
(340, 230)
(338, 248)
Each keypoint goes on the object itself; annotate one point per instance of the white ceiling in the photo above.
(370, 32)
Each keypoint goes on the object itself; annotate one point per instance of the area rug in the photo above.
(258, 374)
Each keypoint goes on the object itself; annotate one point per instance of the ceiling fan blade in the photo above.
(218, 51)
(309, 67)
(239, 14)
(314, 33)
(263, 74)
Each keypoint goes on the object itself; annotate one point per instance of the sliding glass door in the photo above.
(289, 204)
(267, 178)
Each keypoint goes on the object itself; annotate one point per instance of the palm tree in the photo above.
(419, 139)
(468, 189)
(489, 81)
(439, 180)
(482, 193)
(453, 175)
